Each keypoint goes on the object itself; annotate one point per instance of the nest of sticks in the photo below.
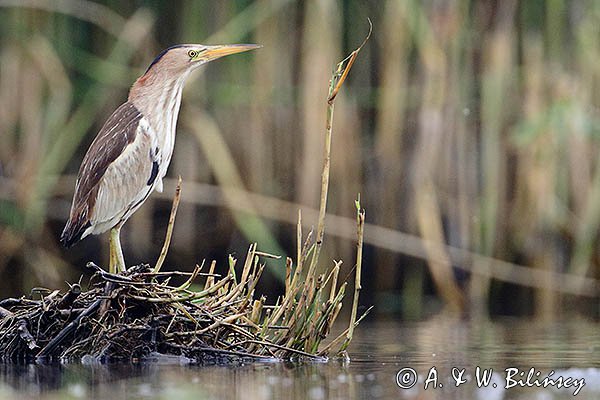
(141, 315)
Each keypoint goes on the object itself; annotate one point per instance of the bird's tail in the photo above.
(73, 232)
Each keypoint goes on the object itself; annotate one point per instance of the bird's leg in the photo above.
(117, 262)
(112, 258)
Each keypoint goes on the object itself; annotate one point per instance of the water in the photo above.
(570, 348)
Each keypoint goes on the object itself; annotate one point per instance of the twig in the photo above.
(26, 335)
(334, 277)
(71, 311)
(267, 255)
(107, 276)
(70, 297)
(62, 335)
(214, 325)
(341, 336)
(284, 348)
(288, 274)
(360, 224)
(299, 240)
(4, 313)
(211, 275)
(165, 248)
(11, 302)
(193, 276)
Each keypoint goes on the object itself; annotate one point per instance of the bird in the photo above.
(130, 155)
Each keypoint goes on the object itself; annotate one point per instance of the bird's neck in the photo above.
(158, 99)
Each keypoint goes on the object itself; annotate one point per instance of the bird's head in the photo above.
(172, 66)
(183, 58)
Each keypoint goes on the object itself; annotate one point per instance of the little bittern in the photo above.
(130, 155)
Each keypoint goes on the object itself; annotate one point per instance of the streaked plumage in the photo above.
(99, 180)
(130, 155)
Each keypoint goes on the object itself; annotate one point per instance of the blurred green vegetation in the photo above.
(471, 129)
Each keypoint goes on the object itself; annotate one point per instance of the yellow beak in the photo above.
(214, 52)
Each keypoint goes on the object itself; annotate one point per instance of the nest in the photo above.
(140, 315)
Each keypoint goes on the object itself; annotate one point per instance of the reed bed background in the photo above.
(470, 128)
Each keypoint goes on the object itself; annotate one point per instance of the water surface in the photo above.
(380, 350)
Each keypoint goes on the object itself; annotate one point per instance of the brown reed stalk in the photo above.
(335, 84)
(167, 243)
(360, 224)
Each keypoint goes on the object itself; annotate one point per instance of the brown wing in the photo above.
(119, 130)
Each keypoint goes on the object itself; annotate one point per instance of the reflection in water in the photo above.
(379, 352)
(37, 380)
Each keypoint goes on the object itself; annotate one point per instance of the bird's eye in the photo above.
(192, 53)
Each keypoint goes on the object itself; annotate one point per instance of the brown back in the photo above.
(118, 131)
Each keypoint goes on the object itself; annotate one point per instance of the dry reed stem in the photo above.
(195, 272)
(167, 243)
(299, 239)
(288, 273)
(335, 84)
(360, 223)
(334, 273)
(211, 271)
